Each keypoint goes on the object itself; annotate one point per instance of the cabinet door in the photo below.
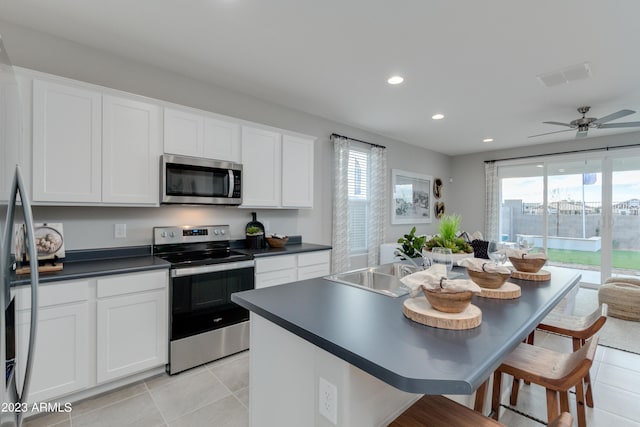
(261, 168)
(62, 351)
(297, 172)
(132, 334)
(130, 151)
(183, 133)
(66, 143)
(273, 278)
(221, 140)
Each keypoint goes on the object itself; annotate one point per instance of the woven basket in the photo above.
(449, 302)
(488, 279)
(274, 242)
(528, 265)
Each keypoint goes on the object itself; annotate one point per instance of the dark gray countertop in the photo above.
(286, 250)
(369, 331)
(97, 267)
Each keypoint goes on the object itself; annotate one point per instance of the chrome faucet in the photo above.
(401, 253)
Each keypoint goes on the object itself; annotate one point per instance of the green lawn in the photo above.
(621, 259)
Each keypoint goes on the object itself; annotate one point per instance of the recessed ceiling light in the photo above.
(539, 166)
(487, 140)
(437, 116)
(395, 80)
(561, 170)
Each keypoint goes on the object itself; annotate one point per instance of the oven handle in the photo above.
(192, 271)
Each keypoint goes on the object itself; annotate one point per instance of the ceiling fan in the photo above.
(584, 123)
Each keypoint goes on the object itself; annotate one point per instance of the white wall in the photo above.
(468, 172)
(93, 227)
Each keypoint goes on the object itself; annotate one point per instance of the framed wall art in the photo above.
(411, 197)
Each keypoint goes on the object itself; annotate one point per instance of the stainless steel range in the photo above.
(205, 325)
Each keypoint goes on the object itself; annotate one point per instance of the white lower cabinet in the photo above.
(92, 331)
(132, 333)
(62, 349)
(280, 269)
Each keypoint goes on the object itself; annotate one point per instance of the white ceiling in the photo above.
(474, 61)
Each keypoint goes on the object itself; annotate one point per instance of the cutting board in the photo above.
(419, 310)
(41, 269)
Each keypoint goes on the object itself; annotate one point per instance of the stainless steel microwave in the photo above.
(198, 181)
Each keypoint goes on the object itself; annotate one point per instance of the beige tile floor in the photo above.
(217, 395)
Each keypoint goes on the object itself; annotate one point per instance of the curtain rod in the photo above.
(586, 150)
(357, 140)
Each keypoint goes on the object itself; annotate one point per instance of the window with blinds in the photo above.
(358, 200)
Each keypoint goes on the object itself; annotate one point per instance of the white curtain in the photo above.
(492, 204)
(378, 209)
(340, 239)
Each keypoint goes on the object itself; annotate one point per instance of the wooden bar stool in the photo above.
(579, 329)
(438, 411)
(557, 372)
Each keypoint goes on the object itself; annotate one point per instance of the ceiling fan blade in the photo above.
(558, 123)
(616, 115)
(548, 133)
(620, 125)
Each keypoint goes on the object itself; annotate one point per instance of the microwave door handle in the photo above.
(232, 182)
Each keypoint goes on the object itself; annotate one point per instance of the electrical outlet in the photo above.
(120, 231)
(328, 401)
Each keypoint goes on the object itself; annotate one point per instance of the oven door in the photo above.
(201, 297)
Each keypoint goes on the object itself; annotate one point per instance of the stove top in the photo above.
(195, 245)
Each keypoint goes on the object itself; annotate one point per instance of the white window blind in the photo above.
(358, 200)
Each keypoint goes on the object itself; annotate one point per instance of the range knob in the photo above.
(172, 234)
(216, 232)
(163, 234)
(222, 232)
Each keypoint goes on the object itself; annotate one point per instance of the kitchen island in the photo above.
(378, 360)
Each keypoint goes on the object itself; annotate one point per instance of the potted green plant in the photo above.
(254, 237)
(411, 244)
(447, 236)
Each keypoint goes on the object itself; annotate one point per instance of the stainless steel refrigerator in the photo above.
(14, 202)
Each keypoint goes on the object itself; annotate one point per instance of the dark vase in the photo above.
(255, 241)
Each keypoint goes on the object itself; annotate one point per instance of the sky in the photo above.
(626, 185)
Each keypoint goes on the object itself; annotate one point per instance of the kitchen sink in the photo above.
(384, 279)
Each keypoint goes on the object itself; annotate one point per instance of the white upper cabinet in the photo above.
(183, 133)
(297, 172)
(277, 169)
(91, 148)
(221, 140)
(66, 143)
(130, 151)
(261, 167)
(201, 135)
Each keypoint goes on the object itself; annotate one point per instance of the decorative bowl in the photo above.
(528, 265)
(276, 242)
(447, 301)
(488, 279)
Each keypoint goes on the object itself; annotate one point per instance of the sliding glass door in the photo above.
(625, 216)
(584, 210)
(574, 216)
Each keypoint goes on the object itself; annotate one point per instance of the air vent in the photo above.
(566, 75)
